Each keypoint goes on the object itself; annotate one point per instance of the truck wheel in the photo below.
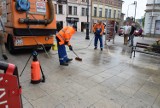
(48, 48)
(10, 45)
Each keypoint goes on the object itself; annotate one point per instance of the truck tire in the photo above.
(10, 45)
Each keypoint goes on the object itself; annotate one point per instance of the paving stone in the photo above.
(151, 89)
(33, 93)
(126, 90)
(117, 97)
(27, 105)
(156, 103)
(62, 95)
(145, 97)
(134, 83)
(105, 103)
(135, 103)
(45, 102)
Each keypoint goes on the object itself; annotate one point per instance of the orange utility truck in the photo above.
(29, 23)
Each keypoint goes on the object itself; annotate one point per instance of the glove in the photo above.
(70, 48)
(66, 43)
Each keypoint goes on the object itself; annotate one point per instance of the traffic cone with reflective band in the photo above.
(35, 69)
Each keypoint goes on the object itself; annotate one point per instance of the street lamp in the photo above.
(128, 8)
(87, 26)
(135, 3)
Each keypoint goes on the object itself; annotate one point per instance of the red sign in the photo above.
(110, 29)
(10, 91)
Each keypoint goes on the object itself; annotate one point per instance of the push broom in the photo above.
(77, 58)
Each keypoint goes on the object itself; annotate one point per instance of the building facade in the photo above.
(106, 10)
(72, 12)
(152, 18)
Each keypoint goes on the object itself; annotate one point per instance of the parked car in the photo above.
(121, 31)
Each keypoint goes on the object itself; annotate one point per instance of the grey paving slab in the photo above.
(145, 97)
(117, 97)
(45, 102)
(105, 103)
(126, 90)
(157, 102)
(135, 103)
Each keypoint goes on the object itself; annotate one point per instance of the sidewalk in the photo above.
(104, 79)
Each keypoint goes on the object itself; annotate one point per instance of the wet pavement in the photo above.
(104, 79)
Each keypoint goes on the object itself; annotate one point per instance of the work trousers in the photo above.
(62, 52)
(98, 37)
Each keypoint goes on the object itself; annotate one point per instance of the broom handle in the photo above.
(75, 53)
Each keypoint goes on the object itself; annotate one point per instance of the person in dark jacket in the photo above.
(131, 36)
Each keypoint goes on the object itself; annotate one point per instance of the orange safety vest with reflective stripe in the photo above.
(65, 34)
(98, 26)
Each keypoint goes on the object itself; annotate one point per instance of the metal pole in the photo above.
(106, 28)
(152, 17)
(91, 22)
(66, 12)
(128, 10)
(135, 2)
(87, 29)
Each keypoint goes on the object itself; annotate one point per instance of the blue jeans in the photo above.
(96, 41)
(131, 38)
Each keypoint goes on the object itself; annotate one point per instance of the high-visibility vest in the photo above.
(65, 34)
(98, 26)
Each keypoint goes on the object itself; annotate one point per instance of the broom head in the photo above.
(78, 59)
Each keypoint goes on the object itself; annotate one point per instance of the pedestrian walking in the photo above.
(63, 37)
(127, 29)
(131, 36)
(2, 30)
(98, 31)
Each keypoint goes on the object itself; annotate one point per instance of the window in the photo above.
(95, 11)
(100, 12)
(75, 10)
(114, 14)
(87, 12)
(83, 11)
(60, 9)
(55, 8)
(109, 16)
(70, 10)
(106, 13)
(119, 14)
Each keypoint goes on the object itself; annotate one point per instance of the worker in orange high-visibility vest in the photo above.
(63, 37)
(98, 30)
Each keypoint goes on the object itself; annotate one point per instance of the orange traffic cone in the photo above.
(36, 70)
